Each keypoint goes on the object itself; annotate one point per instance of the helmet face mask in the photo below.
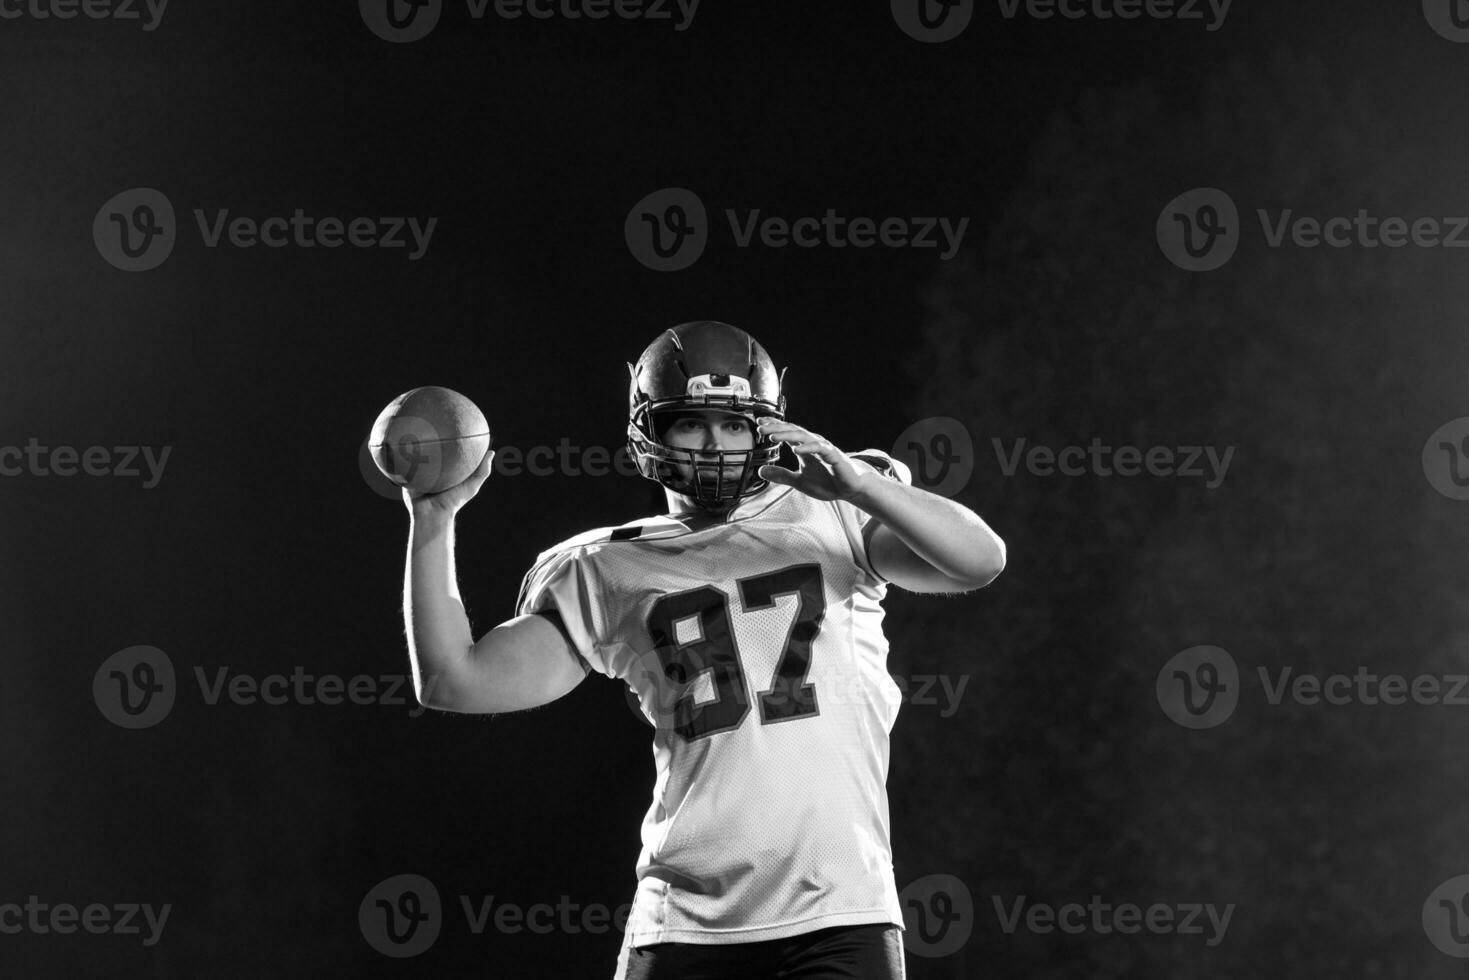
(703, 366)
(708, 476)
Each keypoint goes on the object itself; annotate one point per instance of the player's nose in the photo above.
(723, 441)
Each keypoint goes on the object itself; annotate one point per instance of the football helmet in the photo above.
(700, 366)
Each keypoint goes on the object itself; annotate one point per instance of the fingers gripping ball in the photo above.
(429, 439)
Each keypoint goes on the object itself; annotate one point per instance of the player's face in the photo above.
(711, 431)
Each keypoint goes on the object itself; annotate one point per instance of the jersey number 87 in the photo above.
(715, 650)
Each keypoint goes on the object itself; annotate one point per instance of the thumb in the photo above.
(779, 475)
(481, 472)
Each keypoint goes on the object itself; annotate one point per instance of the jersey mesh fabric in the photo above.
(772, 708)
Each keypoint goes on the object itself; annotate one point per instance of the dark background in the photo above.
(264, 549)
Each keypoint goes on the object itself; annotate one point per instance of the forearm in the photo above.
(437, 627)
(947, 535)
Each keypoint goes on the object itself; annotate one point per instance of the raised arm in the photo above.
(922, 542)
(522, 663)
(928, 543)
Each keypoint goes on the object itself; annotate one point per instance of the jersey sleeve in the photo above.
(563, 585)
(858, 524)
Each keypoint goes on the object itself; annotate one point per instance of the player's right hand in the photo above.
(449, 501)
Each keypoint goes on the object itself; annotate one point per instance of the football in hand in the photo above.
(429, 439)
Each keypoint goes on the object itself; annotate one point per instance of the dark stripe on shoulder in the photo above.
(882, 465)
(553, 616)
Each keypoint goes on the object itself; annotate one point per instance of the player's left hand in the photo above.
(824, 471)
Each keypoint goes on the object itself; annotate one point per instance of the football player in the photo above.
(748, 622)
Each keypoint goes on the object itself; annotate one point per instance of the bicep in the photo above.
(523, 663)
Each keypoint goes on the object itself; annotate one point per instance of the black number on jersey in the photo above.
(715, 650)
(789, 696)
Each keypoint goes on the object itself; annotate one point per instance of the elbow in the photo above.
(985, 568)
(441, 679)
(426, 697)
(975, 581)
(434, 691)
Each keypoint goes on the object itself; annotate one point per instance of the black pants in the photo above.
(872, 952)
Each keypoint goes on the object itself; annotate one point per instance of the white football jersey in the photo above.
(754, 644)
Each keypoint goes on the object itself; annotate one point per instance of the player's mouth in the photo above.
(714, 476)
